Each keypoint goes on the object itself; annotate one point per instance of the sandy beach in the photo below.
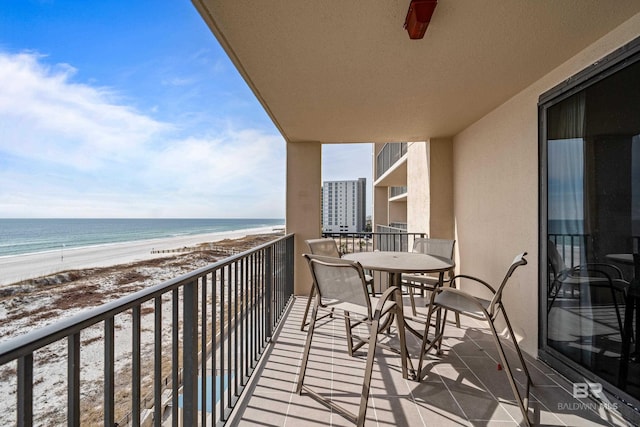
(16, 268)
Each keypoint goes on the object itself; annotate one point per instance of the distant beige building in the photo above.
(344, 206)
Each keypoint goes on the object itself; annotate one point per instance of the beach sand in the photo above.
(15, 268)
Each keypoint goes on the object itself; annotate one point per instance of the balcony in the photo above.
(388, 156)
(255, 356)
(391, 165)
(462, 388)
(398, 193)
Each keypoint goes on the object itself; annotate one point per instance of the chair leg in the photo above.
(515, 344)
(615, 303)
(555, 295)
(437, 337)
(412, 299)
(441, 321)
(366, 384)
(456, 313)
(399, 314)
(505, 363)
(371, 286)
(457, 320)
(307, 348)
(347, 324)
(306, 310)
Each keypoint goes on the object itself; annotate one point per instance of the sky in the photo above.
(131, 109)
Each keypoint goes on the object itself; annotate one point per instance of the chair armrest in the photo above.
(382, 299)
(475, 279)
(598, 265)
(589, 268)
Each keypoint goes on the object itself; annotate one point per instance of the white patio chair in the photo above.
(325, 247)
(437, 247)
(340, 287)
(589, 275)
(458, 301)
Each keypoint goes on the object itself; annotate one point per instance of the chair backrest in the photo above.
(438, 247)
(497, 298)
(555, 260)
(326, 247)
(339, 279)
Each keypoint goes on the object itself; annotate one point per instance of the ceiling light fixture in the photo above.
(418, 17)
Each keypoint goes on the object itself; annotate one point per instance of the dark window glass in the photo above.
(593, 214)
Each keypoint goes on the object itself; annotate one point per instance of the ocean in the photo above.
(21, 236)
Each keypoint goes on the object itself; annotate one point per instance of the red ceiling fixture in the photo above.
(418, 17)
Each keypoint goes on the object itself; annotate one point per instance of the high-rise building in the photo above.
(344, 206)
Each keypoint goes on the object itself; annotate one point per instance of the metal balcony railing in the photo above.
(572, 247)
(390, 153)
(398, 225)
(384, 239)
(221, 319)
(397, 191)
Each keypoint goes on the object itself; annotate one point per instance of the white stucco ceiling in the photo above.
(346, 70)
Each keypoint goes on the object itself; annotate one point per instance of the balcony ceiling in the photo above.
(346, 70)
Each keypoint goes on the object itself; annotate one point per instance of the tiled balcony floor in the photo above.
(462, 388)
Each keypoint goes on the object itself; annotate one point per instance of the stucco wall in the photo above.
(429, 182)
(419, 196)
(304, 174)
(496, 188)
(441, 188)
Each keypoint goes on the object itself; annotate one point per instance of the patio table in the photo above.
(397, 263)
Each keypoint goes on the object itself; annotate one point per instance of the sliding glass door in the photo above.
(590, 222)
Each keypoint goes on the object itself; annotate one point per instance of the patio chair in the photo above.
(325, 247)
(340, 286)
(437, 247)
(458, 301)
(593, 275)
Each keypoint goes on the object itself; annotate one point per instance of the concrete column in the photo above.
(430, 188)
(441, 183)
(304, 184)
(418, 189)
(380, 207)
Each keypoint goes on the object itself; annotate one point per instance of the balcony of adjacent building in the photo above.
(391, 165)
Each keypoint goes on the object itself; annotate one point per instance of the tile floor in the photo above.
(461, 388)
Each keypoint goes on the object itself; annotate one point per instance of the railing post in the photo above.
(175, 379)
(136, 369)
(73, 380)
(109, 373)
(25, 391)
(290, 262)
(190, 355)
(157, 363)
(268, 272)
(203, 357)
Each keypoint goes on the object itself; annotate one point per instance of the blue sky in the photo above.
(132, 109)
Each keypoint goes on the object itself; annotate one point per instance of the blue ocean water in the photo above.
(20, 236)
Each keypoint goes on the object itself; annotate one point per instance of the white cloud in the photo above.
(178, 81)
(71, 149)
(47, 117)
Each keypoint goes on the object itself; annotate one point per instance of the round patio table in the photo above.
(396, 263)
